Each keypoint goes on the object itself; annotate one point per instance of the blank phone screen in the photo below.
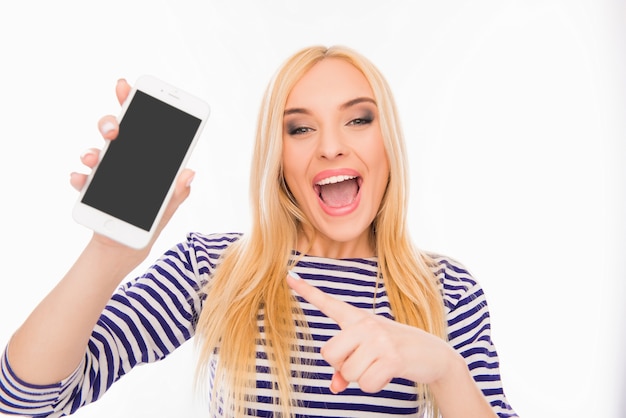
(135, 174)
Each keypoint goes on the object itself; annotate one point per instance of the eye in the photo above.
(360, 121)
(298, 130)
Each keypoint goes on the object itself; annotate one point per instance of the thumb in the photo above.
(181, 192)
(183, 186)
(338, 383)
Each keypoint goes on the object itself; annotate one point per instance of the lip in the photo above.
(344, 210)
(336, 172)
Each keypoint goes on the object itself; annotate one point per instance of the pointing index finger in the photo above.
(340, 312)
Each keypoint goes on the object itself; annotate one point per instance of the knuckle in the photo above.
(370, 322)
(369, 386)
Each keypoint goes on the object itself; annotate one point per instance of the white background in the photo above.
(514, 117)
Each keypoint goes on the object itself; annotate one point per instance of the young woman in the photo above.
(324, 308)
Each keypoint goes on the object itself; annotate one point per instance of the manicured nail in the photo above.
(294, 274)
(87, 152)
(190, 180)
(106, 127)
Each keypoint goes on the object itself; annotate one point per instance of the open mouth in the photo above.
(338, 191)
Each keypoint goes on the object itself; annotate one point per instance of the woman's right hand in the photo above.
(109, 128)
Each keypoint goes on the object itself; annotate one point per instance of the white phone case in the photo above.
(103, 221)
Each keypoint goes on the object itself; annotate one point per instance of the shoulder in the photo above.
(467, 312)
(202, 252)
(456, 282)
(214, 244)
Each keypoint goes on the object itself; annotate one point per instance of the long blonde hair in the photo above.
(251, 275)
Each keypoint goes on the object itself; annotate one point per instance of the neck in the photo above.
(318, 245)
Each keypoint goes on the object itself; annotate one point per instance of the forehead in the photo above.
(331, 80)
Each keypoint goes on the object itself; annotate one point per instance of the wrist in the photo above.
(115, 256)
(456, 392)
(454, 366)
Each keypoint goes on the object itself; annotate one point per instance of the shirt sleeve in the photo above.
(145, 320)
(469, 332)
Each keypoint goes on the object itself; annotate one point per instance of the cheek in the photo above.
(381, 163)
(292, 169)
(377, 155)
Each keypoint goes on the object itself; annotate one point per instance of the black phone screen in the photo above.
(135, 174)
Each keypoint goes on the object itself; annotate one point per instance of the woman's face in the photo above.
(334, 159)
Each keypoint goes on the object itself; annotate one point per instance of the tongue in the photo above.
(339, 194)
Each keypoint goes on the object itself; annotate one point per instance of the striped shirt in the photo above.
(152, 315)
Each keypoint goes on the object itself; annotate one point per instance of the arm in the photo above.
(42, 360)
(52, 341)
(145, 320)
(469, 331)
(457, 394)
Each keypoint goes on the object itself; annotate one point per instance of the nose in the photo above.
(331, 144)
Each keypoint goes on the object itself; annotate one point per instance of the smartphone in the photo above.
(127, 192)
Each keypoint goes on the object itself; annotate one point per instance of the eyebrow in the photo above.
(349, 103)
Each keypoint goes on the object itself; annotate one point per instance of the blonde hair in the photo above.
(251, 275)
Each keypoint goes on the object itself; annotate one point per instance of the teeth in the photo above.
(335, 179)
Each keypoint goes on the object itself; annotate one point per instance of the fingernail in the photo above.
(332, 387)
(87, 152)
(106, 127)
(190, 180)
(294, 274)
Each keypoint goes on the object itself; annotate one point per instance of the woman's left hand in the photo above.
(372, 349)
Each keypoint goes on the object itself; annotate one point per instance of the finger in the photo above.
(183, 185)
(375, 378)
(339, 311)
(108, 126)
(341, 348)
(90, 157)
(122, 89)
(181, 192)
(356, 363)
(77, 180)
(338, 383)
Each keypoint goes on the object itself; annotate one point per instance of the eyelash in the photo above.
(298, 130)
(361, 121)
(301, 130)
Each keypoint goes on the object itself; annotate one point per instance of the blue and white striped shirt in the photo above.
(152, 315)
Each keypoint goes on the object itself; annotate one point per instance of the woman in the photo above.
(323, 309)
